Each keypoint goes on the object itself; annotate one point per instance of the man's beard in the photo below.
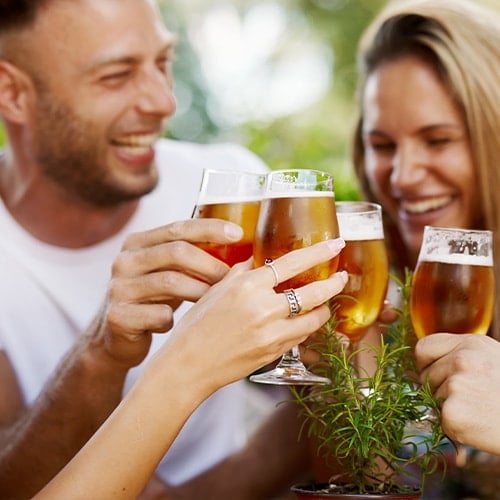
(68, 153)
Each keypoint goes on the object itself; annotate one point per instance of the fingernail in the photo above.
(336, 244)
(233, 231)
(345, 276)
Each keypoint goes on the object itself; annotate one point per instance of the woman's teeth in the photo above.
(422, 206)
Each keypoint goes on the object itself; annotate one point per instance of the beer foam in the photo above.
(298, 193)
(458, 258)
(215, 200)
(355, 230)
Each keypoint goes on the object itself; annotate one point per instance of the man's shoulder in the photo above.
(218, 155)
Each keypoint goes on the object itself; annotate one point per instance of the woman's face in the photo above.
(417, 152)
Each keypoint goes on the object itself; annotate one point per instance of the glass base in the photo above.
(296, 375)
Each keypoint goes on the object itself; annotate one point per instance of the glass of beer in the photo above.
(453, 286)
(233, 196)
(365, 260)
(297, 210)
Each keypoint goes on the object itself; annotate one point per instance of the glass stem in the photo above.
(290, 358)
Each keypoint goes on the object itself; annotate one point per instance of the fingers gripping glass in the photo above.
(297, 210)
(453, 286)
(233, 196)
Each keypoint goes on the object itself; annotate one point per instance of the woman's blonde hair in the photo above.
(461, 40)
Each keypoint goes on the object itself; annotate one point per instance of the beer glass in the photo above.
(365, 260)
(453, 285)
(297, 210)
(233, 196)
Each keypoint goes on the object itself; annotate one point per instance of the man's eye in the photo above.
(115, 77)
(164, 64)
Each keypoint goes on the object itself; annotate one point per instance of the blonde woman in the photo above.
(426, 144)
(426, 147)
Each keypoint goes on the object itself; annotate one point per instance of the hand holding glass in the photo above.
(297, 210)
(453, 286)
(233, 196)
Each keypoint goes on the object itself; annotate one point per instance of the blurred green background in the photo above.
(277, 76)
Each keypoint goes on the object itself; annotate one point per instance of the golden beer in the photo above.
(291, 222)
(359, 304)
(453, 286)
(297, 211)
(244, 213)
(452, 298)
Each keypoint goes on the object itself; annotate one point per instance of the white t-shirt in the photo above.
(51, 294)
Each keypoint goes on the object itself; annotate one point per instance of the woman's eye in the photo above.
(382, 146)
(438, 141)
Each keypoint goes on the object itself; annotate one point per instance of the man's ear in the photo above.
(15, 87)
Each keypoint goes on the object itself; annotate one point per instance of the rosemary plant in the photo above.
(364, 421)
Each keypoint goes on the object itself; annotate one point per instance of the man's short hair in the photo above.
(15, 14)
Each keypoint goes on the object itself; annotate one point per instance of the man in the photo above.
(85, 86)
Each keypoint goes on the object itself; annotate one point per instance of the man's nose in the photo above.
(156, 95)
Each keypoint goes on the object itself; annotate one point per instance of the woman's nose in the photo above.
(408, 166)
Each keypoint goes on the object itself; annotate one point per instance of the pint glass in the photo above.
(453, 286)
(365, 260)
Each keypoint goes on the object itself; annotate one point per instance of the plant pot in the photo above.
(326, 468)
(320, 491)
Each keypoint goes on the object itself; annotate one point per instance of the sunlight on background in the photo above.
(259, 61)
(256, 67)
(261, 73)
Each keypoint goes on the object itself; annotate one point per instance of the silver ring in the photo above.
(294, 302)
(269, 263)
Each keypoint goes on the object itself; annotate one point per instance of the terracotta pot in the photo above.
(320, 491)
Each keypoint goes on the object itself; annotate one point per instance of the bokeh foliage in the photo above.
(318, 137)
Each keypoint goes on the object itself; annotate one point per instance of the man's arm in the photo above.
(80, 395)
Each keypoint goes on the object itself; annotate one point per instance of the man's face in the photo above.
(102, 91)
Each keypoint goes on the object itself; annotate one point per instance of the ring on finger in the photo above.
(294, 302)
(269, 263)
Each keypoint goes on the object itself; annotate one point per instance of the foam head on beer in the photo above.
(366, 262)
(453, 285)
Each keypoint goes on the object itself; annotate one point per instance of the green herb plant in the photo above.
(364, 421)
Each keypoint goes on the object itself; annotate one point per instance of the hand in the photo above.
(463, 369)
(242, 324)
(388, 314)
(154, 272)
